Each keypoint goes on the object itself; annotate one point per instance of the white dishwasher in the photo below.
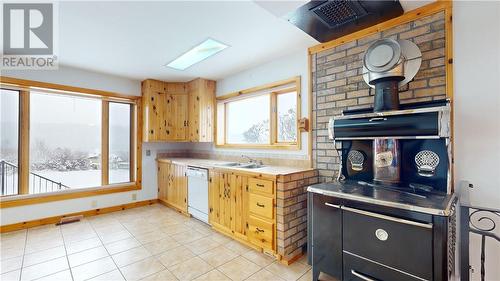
(198, 192)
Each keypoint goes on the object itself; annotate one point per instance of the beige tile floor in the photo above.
(147, 243)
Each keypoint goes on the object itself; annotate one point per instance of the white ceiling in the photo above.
(136, 39)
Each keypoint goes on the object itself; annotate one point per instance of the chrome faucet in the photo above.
(251, 160)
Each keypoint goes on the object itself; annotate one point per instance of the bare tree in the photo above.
(257, 133)
(287, 125)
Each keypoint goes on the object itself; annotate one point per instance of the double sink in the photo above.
(248, 165)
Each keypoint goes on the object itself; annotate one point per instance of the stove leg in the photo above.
(315, 274)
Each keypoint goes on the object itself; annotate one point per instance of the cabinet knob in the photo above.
(260, 205)
(381, 234)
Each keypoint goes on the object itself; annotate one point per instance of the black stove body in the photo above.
(389, 214)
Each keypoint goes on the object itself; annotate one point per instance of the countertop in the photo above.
(424, 202)
(216, 164)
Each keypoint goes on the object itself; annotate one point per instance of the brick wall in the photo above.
(291, 213)
(338, 83)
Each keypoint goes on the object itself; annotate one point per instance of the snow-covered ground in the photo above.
(73, 179)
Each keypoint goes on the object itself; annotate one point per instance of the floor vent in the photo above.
(71, 219)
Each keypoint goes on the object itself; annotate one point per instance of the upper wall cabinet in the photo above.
(201, 110)
(175, 111)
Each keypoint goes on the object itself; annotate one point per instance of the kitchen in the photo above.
(250, 148)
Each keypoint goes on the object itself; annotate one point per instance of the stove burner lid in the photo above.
(389, 58)
(382, 56)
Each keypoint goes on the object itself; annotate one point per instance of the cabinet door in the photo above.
(194, 112)
(171, 185)
(239, 205)
(213, 197)
(326, 236)
(153, 115)
(179, 196)
(176, 120)
(225, 201)
(163, 176)
(206, 117)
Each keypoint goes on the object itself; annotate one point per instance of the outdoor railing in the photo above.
(39, 184)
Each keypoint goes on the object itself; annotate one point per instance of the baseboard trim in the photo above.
(166, 204)
(89, 213)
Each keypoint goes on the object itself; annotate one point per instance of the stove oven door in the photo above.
(326, 234)
(374, 241)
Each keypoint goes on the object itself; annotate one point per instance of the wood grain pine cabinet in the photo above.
(228, 211)
(242, 206)
(172, 186)
(201, 110)
(178, 112)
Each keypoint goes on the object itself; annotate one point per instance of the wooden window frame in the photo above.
(24, 87)
(273, 90)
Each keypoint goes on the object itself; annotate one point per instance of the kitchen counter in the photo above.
(424, 202)
(218, 164)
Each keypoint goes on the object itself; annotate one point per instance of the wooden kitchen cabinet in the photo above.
(172, 185)
(153, 99)
(261, 218)
(201, 110)
(176, 117)
(177, 112)
(228, 211)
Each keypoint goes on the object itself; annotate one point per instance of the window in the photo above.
(65, 142)
(261, 117)
(57, 141)
(286, 104)
(119, 142)
(243, 123)
(9, 141)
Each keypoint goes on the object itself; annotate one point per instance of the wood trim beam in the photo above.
(259, 88)
(105, 143)
(7, 202)
(406, 17)
(58, 87)
(138, 143)
(24, 142)
(56, 219)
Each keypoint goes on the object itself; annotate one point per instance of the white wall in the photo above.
(476, 34)
(82, 78)
(275, 70)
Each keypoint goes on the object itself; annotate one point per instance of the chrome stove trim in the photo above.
(389, 218)
(431, 211)
(384, 265)
(442, 108)
(391, 137)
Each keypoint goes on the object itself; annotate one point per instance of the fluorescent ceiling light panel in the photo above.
(204, 50)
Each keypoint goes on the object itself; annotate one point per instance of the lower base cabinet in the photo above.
(237, 211)
(172, 186)
(228, 211)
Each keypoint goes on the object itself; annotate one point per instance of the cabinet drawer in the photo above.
(260, 186)
(360, 269)
(401, 244)
(261, 205)
(260, 232)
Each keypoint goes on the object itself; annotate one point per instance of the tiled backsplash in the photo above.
(338, 81)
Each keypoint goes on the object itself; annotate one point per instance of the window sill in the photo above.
(29, 199)
(284, 146)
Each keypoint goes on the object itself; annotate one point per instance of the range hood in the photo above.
(328, 20)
